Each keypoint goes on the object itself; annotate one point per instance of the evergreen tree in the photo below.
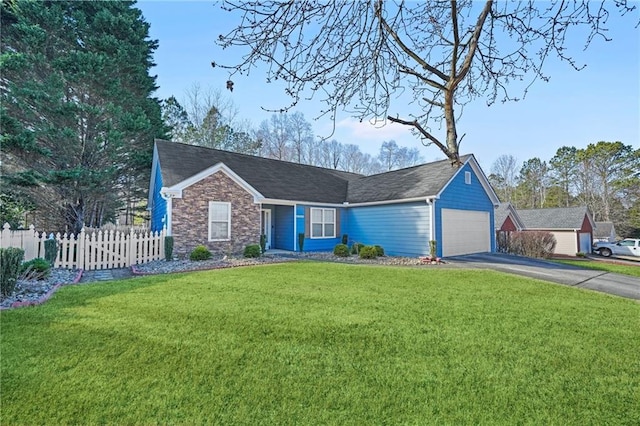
(77, 116)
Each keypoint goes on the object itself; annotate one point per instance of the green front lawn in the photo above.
(323, 343)
(607, 266)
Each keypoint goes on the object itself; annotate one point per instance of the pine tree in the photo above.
(77, 116)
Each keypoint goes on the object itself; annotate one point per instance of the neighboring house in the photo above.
(506, 218)
(571, 226)
(226, 200)
(506, 221)
(604, 231)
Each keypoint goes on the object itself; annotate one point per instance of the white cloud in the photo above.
(369, 136)
(378, 131)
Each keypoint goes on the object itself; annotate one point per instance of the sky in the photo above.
(575, 108)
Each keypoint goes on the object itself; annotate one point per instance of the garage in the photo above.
(465, 232)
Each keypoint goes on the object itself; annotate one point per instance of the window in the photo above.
(323, 223)
(219, 221)
(467, 178)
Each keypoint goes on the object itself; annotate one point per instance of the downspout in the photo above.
(169, 209)
(432, 218)
(295, 226)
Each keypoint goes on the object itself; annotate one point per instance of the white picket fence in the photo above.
(94, 250)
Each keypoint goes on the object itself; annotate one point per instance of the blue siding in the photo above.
(159, 204)
(319, 244)
(462, 196)
(401, 229)
(282, 233)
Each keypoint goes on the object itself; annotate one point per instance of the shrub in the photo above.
(10, 260)
(533, 243)
(50, 251)
(36, 269)
(368, 252)
(379, 250)
(252, 250)
(341, 250)
(168, 248)
(503, 242)
(345, 239)
(200, 253)
(433, 248)
(356, 247)
(301, 241)
(263, 244)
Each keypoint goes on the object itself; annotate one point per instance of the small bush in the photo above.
(10, 260)
(168, 248)
(36, 269)
(341, 250)
(581, 254)
(533, 243)
(252, 250)
(200, 253)
(263, 244)
(368, 252)
(433, 248)
(345, 239)
(503, 242)
(356, 247)
(50, 251)
(379, 251)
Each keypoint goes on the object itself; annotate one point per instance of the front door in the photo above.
(265, 227)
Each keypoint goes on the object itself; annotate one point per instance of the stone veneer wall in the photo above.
(190, 216)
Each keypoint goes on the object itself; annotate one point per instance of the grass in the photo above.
(322, 343)
(607, 266)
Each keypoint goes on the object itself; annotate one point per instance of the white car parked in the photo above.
(626, 247)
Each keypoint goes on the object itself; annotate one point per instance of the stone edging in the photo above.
(137, 272)
(46, 296)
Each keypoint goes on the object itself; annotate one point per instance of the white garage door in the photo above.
(465, 232)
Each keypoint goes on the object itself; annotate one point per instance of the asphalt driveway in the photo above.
(606, 282)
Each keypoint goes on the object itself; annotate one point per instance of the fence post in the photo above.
(132, 248)
(81, 255)
(4, 235)
(31, 244)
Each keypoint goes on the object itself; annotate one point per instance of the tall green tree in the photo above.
(612, 167)
(534, 180)
(175, 117)
(77, 116)
(563, 171)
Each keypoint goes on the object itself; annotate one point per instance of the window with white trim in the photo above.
(467, 178)
(219, 221)
(323, 223)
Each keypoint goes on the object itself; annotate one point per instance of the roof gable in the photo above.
(176, 190)
(422, 181)
(505, 210)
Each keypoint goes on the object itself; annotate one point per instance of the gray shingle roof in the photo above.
(554, 218)
(272, 178)
(298, 182)
(418, 181)
(603, 230)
